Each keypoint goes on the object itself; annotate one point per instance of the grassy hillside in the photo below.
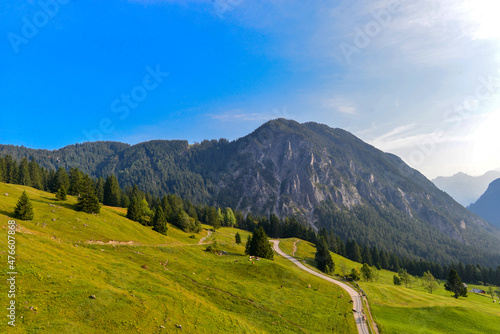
(145, 282)
(398, 309)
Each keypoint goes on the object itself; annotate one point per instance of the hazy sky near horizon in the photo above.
(416, 78)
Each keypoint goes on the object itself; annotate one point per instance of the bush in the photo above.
(213, 248)
(354, 275)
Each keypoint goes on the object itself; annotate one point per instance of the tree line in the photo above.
(156, 211)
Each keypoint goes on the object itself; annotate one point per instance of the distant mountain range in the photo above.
(488, 205)
(466, 189)
(323, 176)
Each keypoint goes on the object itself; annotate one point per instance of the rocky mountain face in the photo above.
(466, 189)
(488, 205)
(289, 168)
(326, 177)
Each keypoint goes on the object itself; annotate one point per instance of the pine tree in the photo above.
(323, 256)
(237, 238)
(160, 221)
(260, 246)
(2, 169)
(75, 179)
(61, 194)
(112, 191)
(213, 218)
(11, 170)
(367, 256)
(99, 189)
(24, 173)
(35, 175)
(88, 201)
(455, 285)
(274, 226)
(134, 210)
(354, 251)
(24, 208)
(125, 202)
(61, 179)
(248, 244)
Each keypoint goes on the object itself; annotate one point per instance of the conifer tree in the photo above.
(134, 210)
(248, 244)
(24, 173)
(2, 169)
(35, 175)
(160, 221)
(112, 191)
(260, 246)
(61, 179)
(455, 285)
(213, 218)
(61, 194)
(323, 257)
(237, 238)
(11, 170)
(99, 189)
(88, 202)
(367, 256)
(24, 208)
(125, 201)
(75, 179)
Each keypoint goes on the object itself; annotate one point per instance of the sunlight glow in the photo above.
(485, 16)
(487, 142)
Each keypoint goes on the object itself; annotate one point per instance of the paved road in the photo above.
(356, 298)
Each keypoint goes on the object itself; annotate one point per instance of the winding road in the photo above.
(356, 298)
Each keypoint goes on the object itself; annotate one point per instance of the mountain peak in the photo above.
(487, 206)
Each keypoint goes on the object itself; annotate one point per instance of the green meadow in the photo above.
(397, 309)
(145, 282)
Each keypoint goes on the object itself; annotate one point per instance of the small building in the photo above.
(478, 291)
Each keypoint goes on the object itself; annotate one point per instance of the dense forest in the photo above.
(152, 210)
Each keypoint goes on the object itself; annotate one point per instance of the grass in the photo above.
(397, 309)
(143, 280)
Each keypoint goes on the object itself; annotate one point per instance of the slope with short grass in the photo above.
(82, 273)
(398, 309)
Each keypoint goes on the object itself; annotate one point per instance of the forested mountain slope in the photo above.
(488, 205)
(325, 176)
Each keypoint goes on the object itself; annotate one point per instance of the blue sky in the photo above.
(415, 78)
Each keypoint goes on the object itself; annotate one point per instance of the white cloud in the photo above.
(240, 115)
(340, 104)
